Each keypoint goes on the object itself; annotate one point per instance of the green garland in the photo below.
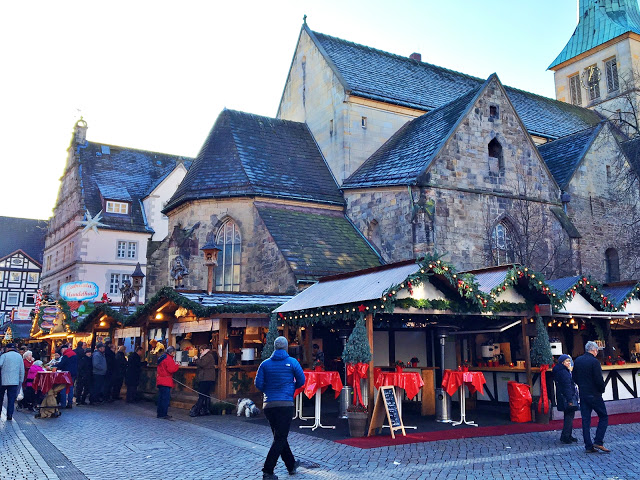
(635, 292)
(593, 291)
(534, 281)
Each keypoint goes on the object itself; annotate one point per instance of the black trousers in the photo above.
(280, 422)
(83, 386)
(567, 427)
(116, 387)
(97, 389)
(132, 393)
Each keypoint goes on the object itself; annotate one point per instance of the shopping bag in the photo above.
(20, 394)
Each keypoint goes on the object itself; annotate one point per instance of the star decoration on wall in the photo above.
(91, 223)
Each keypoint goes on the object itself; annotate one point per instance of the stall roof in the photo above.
(217, 299)
(562, 285)
(619, 292)
(490, 278)
(359, 286)
(487, 327)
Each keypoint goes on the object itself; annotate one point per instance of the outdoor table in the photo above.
(314, 381)
(410, 382)
(45, 380)
(453, 380)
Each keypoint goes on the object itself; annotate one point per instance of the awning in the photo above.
(193, 326)
(127, 332)
(496, 328)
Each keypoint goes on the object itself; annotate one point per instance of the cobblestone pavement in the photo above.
(116, 441)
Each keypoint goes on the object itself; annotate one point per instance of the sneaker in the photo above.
(269, 476)
(602, 448)
(294, 470)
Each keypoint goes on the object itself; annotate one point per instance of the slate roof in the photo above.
(247, 155)
(563, 156)
(22, 234)
(631, 148)
(562, 285)
(379, 75)
(123, 174)
(599, 22)
(317, 243)
(617, 293)
(409, 152)
(217, 299)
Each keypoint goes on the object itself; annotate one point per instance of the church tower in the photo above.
(600, 63)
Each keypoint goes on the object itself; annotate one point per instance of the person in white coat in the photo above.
(12, 368)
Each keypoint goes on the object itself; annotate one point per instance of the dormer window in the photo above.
(121, 208)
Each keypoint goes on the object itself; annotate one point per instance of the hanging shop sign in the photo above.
(78, 291)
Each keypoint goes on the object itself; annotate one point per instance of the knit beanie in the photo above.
(280, 343)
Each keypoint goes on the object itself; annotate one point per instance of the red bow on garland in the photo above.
(543, 404)
(354, 374)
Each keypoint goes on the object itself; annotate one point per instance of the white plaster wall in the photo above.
(156, 200)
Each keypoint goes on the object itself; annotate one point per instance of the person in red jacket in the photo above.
(164, 381)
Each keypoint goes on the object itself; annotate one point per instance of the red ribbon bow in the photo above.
(354, 374)
(543, 404)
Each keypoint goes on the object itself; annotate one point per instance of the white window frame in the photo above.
(114, 284)
(31, 276)
(13, 275)
(121, 249)
(120, 208)
(611, 72)
(13, 298)
(132, 250)
(575, 89)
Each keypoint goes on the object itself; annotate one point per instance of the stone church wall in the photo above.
(263, 268)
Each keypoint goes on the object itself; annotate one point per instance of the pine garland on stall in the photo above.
(272, 334)
(541, 348)
(357, 348)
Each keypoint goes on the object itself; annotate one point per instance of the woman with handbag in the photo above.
(566, 396)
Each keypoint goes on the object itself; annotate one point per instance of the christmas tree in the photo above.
(357, 349)
(272, 334)
(541, 349)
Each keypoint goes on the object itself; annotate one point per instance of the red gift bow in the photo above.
(354, 374)
(543, 406)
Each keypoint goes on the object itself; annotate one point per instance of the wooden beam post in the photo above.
(527, 351)
(222, 377)
(369, 322)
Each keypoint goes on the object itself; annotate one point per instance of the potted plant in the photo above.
(357, 355)
(318, 366)
(414, 362)
(399, 366)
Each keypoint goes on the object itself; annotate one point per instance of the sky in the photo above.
(154, 75)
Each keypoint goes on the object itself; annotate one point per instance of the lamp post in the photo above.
(137, 277)
(211, 261)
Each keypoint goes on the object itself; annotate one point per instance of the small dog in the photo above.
(247, 407)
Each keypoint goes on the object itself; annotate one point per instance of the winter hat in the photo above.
(100, 345)
(280, 343)
(562, 358)
(13, 345)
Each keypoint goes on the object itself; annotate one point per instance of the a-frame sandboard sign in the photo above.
(386, 402)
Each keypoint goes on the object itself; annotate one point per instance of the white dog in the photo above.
(248, 407)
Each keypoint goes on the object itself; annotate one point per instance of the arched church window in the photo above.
(613, 265)
(502, 244)
(229, 242)
(496, 161)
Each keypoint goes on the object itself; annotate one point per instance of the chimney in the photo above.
(416, 56)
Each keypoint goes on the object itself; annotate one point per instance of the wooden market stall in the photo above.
(235, 324)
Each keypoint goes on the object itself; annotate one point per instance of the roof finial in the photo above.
(304, 19)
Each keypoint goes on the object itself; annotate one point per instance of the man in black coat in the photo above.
(587, 373)
(80, 349)
(132, 376)
(119, 373)
(110, 357)
(85, 374)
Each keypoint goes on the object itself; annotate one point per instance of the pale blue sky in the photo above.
(155, 75)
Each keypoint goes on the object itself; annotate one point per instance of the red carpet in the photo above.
(469, 432)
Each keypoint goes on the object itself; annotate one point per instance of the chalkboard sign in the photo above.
(386, 404)
(392, 408)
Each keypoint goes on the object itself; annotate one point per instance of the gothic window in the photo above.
(611, 69)
(613, 265)
(502, 244)
(496, 161)
(574, 88)
(228, 270)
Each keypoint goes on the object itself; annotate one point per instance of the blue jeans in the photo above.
(164, 397)
(12, 394)
(66, 397)
(589, 403)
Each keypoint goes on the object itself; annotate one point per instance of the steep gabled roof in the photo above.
(409, 152)
(599, 22)
(379, 75)
(122, 174)
(317, 242)
(23, 234)
(248, 155)
(563, 156)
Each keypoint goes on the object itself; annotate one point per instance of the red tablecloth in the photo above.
(315, 380)
(453, 380)
(45, 380)
(411, 382)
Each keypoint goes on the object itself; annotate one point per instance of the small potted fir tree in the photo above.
(542, 357)
(357, 355)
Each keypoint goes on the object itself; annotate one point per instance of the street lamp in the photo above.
(210, 260)
(137, 277)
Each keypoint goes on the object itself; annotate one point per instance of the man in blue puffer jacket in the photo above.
(278, 378)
